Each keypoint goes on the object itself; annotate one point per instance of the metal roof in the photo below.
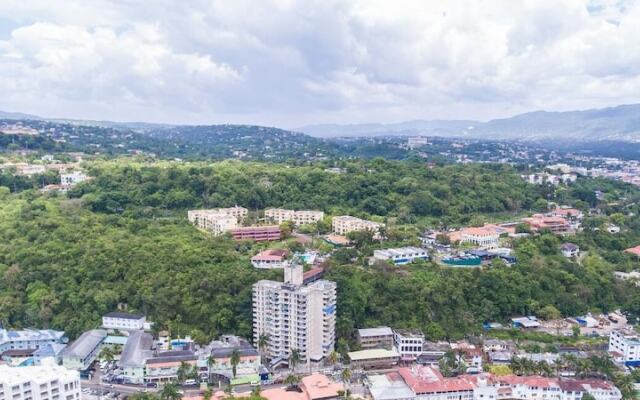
(173, 356)
(379, 331)
(30, 335)
(137, 349)
(363, 355)
(123, 315)
(85, 344)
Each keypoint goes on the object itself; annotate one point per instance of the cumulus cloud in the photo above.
(291, 62)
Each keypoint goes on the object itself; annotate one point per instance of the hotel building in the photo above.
(295, 316)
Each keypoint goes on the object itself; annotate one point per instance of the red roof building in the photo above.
(257, 233)
(633, 250)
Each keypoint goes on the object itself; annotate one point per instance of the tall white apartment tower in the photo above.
(294, 316)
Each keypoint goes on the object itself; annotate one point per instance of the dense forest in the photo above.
(123, 238)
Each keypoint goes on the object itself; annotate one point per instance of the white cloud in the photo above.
(291, 62)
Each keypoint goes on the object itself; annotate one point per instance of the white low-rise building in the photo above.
(402, 255)
(628, 276)
(43, 382)
(124, 321)
(408, 343)
(627, 344)
(485, 237)
(299, 217)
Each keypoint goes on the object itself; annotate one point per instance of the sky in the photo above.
(291, 63)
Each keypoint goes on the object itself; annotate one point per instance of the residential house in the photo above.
(570, 250)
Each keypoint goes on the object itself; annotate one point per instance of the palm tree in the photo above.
(291, 380)
(263, 343)
(625, 383)
(333, 357)
(234, 360)
(170, 392)
(211, 361)
(107, 353)
(346, 377)
(183, 371)
(294, 359)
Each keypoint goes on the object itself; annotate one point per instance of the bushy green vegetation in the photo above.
(406, 191)
(123, 238)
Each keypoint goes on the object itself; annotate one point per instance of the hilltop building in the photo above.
(627, 344)
(401, 256)
(72, 178)
(300, 217)
(124, 321)
(217, 221)
(270, 259)
(344, 224)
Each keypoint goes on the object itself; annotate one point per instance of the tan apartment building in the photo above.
(376, 338)
(345, 223)
(218, 220)
(300, 217)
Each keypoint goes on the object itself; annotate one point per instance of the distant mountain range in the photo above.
(621, 123)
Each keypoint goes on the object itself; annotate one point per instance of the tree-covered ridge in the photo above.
(405, 190)
(123, 238)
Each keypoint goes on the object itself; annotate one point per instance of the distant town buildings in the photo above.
(295, 316)
(344, 224)
(538, 222)
(417, 141)
(300, 217)
(427, 383)
(401, 256)
(551, 179)
(44, 382)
